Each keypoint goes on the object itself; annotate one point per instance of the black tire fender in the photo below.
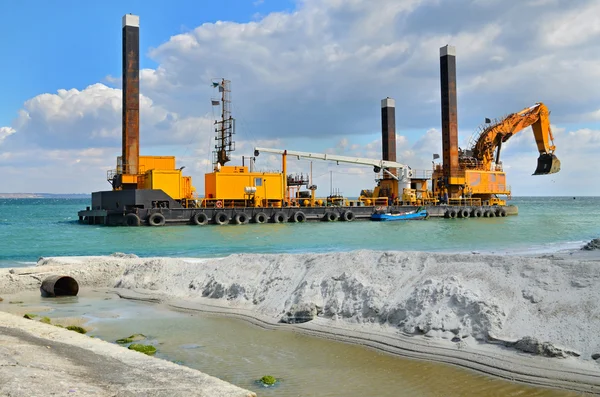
(132, 219)
(156, 219)
(299, 217)
(279, 217)
(330, 216)
(348, 216)
(221, 218)
(452, 213)
(464, 213)
(260, 217)
(199, 218)
(477, 213)
(502, 212)
(241, 218)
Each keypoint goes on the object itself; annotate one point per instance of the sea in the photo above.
(32, 228)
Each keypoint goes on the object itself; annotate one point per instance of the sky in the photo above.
(306, 75)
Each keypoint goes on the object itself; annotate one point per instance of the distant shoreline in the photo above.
(44, 195)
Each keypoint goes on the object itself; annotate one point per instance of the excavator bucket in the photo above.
(547, 164)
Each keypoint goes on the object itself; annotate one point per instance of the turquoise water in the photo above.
(30, 228)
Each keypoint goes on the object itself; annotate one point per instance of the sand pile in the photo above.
(511, 300)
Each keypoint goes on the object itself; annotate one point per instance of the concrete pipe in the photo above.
(59, 286)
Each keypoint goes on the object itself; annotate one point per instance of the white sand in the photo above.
(407, 303)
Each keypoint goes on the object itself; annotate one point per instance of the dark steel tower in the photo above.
(449, 117)
(131, 94)
(388, 132)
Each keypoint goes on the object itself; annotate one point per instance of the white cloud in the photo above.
(5, 132)
(317, 73)
(574, 27)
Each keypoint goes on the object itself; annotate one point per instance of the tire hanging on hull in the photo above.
(156, 219)
(200, 219)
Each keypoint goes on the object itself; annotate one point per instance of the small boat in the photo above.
(419, 213)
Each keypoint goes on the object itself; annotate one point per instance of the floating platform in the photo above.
(156, 208)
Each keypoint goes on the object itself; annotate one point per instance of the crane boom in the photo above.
(381, 164)
(493, 136)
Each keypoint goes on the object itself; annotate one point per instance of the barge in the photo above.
(151, 190)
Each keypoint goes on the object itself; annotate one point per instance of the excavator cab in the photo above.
(548, 163)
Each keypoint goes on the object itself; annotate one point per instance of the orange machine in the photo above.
(480, 173)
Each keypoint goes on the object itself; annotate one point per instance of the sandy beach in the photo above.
(529, 319)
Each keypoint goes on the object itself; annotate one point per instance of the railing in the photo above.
(465, 201)
(421, 174)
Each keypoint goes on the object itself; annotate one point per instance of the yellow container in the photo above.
(170, 181)
(236, 183)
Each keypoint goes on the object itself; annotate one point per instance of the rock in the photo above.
(592, 245)
(146, 349)
(456, 339)
(531, 345)
(300, 313)
(595, 356)
(29, 316)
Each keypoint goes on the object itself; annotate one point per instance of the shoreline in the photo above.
(564, 249)
(261, 288)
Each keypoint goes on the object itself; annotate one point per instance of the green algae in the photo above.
(268, 380)
(45, 320)
(131, 338)
(146, 349)
(77, 328)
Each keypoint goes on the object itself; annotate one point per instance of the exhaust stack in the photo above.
(449, 117)
(131, 94)
(388, 132)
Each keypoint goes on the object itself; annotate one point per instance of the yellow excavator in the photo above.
(480, 176)
(491, 138)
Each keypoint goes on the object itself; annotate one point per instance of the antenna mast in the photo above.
(225, 128)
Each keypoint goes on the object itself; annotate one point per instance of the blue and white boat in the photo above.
(419, 213)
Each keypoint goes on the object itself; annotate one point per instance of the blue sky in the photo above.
(307, 75)
(68, 43)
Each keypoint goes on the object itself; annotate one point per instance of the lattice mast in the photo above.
(225, 127)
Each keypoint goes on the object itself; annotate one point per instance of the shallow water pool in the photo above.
(240, 353)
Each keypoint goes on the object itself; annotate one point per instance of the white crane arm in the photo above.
(382, 164)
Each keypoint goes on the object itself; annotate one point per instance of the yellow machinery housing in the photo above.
(155, 172)
(234, 186)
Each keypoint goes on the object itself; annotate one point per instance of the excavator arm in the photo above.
(492, 137)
